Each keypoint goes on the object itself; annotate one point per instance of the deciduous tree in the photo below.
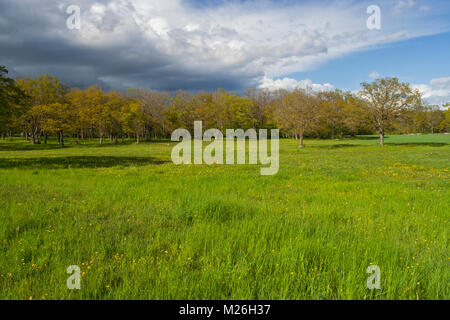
(298, 112)
(387, 99)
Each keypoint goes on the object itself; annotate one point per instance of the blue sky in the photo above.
(205, 45)
(419, 59)
(415, 60)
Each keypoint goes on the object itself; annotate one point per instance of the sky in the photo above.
(208, 44)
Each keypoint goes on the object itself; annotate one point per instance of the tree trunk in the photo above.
(45, 139)
(101, 139)
(301, 140)
(61, 133)
(332, 132)
(382, 137)
(137, 138)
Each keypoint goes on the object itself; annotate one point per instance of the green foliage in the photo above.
(445, 123)
(10, 97)
(387, 100)
(43, 106)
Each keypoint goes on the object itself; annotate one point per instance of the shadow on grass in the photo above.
(27, 147)
(340, 145)
(393, 144)
(77, 162)
(418, 144)
(23, 146)
(367, 137)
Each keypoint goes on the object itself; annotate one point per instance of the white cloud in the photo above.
(291, 84)
(402, 6)
(441, 83)
(265, 40)
(374, 75)
(436, 92)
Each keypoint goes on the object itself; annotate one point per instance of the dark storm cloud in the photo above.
(34, 40)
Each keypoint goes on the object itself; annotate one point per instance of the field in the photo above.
(140, 227)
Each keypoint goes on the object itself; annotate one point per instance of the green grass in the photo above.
(142, 228)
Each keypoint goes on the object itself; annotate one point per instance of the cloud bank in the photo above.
(436, 92)
(291, 84)
(174, 44)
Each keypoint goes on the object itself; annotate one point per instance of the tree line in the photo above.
(37, 108)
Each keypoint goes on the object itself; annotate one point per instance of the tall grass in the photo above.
(140, 227)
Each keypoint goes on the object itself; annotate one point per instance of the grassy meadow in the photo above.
(141, 227)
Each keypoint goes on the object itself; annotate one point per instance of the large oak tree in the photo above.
(387, 99)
